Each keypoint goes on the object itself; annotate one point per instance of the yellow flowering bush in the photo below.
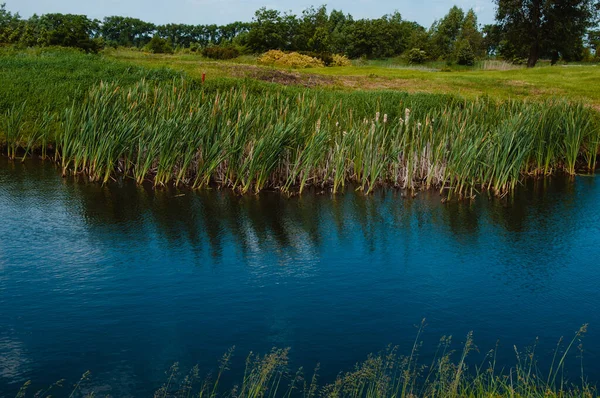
(290, 60)
(340, 60)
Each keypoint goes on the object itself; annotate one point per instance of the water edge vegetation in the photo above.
(159, 125)
(389, 374)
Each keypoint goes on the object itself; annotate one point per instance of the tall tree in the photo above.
(445, 33)
(68, 30)
(536, 28)
(126, 31)
(267, 31)
(470, 33)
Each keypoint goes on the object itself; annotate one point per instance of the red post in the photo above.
(203, 77)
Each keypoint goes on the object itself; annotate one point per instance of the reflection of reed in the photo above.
(212, 221)
(205, 219)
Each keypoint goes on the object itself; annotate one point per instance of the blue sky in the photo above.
(225, 11)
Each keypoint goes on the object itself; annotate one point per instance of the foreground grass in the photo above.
(389, 374)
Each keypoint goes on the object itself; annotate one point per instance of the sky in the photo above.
(225, 11)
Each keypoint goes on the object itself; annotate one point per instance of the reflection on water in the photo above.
(123, 280)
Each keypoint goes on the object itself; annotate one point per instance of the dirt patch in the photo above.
(287, 78)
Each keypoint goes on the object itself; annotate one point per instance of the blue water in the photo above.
(124, 281)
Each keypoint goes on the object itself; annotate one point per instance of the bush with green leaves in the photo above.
(464, 54)
(158, 45)
(221, 52)
(416, 56)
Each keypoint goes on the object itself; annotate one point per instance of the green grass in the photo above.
(572, 82)
(449, 374)
(53, 78)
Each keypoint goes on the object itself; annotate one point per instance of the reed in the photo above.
(289, 140)
(448, 373)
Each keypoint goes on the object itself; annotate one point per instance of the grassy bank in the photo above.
(157, 125)
(450, 373)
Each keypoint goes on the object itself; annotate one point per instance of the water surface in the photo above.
(124, 281)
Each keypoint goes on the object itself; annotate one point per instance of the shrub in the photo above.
(195, 47)
(270, 57)
(341, 60)
(158, 45)
(324, 57)
(221, 52)
(291, 60)
(465, 54)
(417, 56)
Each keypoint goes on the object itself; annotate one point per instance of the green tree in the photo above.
(446, 32)
(492, 36)
(68, 30)
(470, 33)
(158, 45)
(125, 31)
(535, 28)
(267, 31)
(384, 37)
(312, 31)
(594, 41)
(464, 53)
(11, 25)
(339, 24)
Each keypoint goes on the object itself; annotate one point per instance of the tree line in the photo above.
(524, 32)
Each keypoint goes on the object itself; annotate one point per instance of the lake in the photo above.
(124, 281)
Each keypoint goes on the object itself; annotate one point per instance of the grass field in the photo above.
(575, 82)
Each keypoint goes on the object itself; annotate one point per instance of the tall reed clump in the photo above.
(448, 373)
(288, 141)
